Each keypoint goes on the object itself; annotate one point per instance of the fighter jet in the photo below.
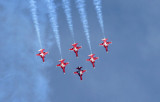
(62, 64)
(92, 59)
(75, 48)
(42, 54)
(105, 44)
(80, 72)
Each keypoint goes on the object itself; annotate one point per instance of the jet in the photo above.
(80, 72)
(75, 48)
(42, 54)
(62, 64)
(92, 59)
(105, 44)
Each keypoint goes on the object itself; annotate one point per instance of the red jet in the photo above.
(75, 48)
(92, 59)
(80, 72)
(105, 44)
(42, 54)
(62, 64)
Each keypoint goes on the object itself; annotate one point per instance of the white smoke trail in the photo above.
(98, 8)
(35, 19)
(67, 9)
(53, 19)
(83, 16)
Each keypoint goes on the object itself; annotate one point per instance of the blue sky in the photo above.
(128, 73)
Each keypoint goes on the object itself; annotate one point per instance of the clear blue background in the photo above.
(128, 73)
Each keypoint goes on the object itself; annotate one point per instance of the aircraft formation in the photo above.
(75, 48)
(53, 18)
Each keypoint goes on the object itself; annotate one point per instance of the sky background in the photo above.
(128, 73)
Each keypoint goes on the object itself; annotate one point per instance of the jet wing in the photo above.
(101, 44)
(84, 71)
(58, 65)
(71, 49)
(88, 59)
(45, 53)
(96, 58)
(75, 72)
(38, 54)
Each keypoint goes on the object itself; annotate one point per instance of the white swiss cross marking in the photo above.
(92, 59)
(42, 54)
(62, 65)
(105, 44)
(75, 49)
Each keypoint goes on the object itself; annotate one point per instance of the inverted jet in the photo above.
(80, 72)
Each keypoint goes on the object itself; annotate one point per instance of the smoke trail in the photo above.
(67, 9)
(53, 19)
(98, 8)
(83, 16)
(35, 19)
